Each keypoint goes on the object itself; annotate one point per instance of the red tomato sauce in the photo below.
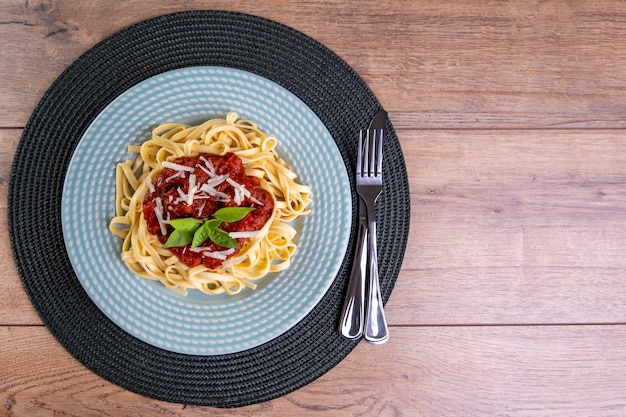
(170, 191)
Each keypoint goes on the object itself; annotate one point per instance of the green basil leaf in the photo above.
(232, 214)
(220, 237)
(203, 232)
(178, 238)
(186, 224)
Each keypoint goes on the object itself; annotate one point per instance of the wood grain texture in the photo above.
(516, 226)
(15, 307)
(511, 117)
(449, 371)
(433, 64)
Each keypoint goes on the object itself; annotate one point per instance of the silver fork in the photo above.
(369, 184)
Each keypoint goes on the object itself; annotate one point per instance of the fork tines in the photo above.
(370, 153)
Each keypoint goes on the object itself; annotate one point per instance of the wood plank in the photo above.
(508, 295)
(513, 227)
(486, 64)
(15, 307)
(516, 198)
(446, 371)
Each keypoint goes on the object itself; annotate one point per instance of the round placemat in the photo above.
(322, 80)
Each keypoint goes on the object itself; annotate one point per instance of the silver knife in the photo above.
(375, 326)
(353, 313)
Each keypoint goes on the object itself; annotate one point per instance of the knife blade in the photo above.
(379, 120)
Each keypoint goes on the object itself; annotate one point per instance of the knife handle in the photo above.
(351, 325)
(376, 330)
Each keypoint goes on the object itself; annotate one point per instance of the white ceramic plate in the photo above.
(200, 324)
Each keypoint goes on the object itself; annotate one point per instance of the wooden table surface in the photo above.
(511, 115)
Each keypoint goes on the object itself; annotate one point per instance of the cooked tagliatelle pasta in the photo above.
(207, 207)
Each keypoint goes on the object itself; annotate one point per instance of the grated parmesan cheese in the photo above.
(205, 250)
(177, 167)
(244, 235)
(209, 166)
(176, 175)
(192, 189)
(149, 184)
(221, 255)
(217, 180)
(158, 210)
(214, 193)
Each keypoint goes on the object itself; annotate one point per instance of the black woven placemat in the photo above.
(312, 72)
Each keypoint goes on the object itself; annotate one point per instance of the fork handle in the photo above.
(376, 330)
(351, 325)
